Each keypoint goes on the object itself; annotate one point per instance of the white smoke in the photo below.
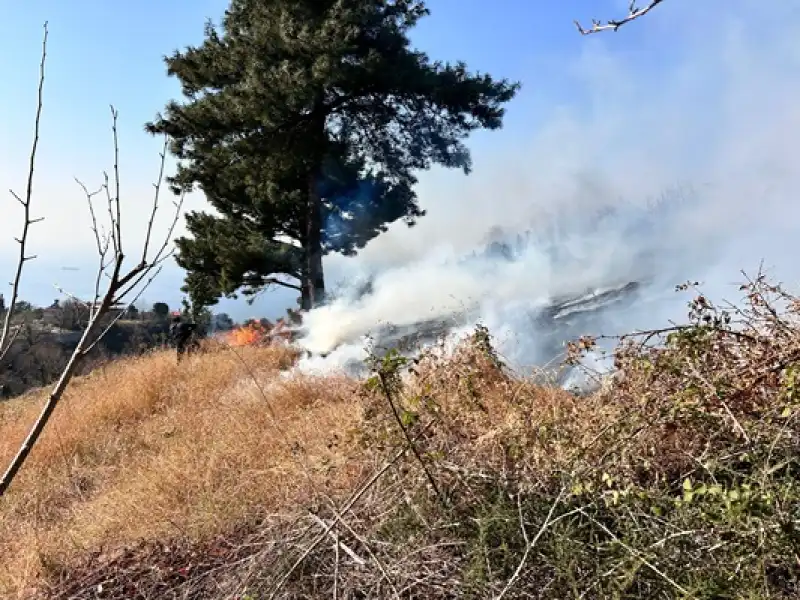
(710, 107)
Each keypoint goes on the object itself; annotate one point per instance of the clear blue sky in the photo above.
(103, 52)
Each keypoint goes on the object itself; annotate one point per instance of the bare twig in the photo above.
(102, 241)
(344, 509)
(530, 543)
(637, 554)
(612, 25)
(6, 338)
(335, 537)
(120, 284)
(157, 186)
(118, 221)
(122, 313)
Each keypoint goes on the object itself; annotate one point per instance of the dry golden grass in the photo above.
(144, 449)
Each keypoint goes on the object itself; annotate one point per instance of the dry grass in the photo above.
(209, 480)
(144, 449)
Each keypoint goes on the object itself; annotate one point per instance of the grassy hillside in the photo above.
(230, 477)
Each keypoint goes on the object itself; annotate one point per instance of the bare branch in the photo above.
(111, 216)
(114, 115)
(388, 395)
(71, 296)
(102, 241)
(636, 554)
(127, 283)
(157, 186)
(612, 25)
(122, 313)
(136, 276)
(119, 285)
(13, 334)
(5, 341)
(286, 284)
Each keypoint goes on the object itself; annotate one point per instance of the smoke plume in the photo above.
(675, 162)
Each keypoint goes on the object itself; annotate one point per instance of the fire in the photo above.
(262, 333)
(247, 335)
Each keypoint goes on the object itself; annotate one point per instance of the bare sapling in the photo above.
(115, 286)
(9, 334)
(634, 12)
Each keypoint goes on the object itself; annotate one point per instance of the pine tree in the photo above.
(304, 123)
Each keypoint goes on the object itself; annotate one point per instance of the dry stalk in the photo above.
(363, 542)
(337, 542)
(345, 508)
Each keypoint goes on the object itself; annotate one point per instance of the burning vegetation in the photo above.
(264, 332)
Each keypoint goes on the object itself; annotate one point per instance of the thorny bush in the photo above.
(679, 480)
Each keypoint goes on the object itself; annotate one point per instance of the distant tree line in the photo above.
(48, 335)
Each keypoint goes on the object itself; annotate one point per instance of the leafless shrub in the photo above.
(115, 286)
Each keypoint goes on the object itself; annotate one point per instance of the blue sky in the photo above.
(658, 73)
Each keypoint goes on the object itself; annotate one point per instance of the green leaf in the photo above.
(408, 418)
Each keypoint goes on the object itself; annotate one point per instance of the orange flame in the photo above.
(247, 335)
(260, 334)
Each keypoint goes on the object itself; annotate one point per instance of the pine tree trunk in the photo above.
(313, 292)
(305, 296)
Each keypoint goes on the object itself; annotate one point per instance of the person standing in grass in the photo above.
(183, 335)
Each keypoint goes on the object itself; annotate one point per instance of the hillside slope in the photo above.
(230, 476)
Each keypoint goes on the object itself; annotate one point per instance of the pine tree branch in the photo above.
(286, 284)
